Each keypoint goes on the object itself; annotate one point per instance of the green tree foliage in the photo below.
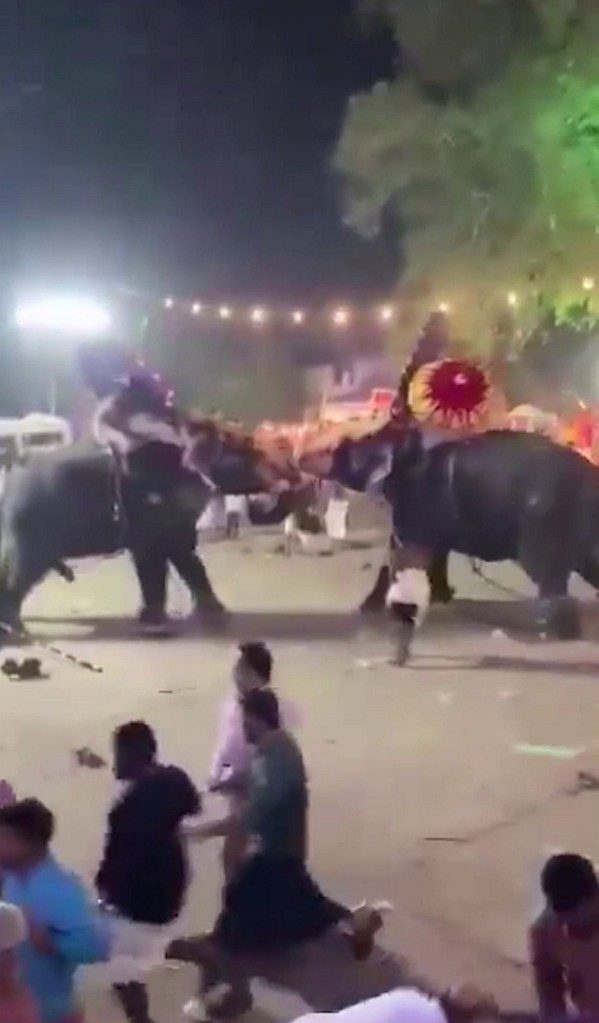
(487, 168)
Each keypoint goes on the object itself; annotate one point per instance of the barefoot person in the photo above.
(63, 929)
(564, 940)
(271, 903)
(143, 875)
(231, 761)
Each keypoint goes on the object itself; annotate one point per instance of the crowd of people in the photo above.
(49, 926)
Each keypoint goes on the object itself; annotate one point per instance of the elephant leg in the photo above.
(375, 601)
(546, 553)
(20, 570)
(193, 573)
(589, 570)
(441, 591)
(151, 566)
(547, 559)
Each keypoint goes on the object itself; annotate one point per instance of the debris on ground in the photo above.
(86, 757)
(26, 670)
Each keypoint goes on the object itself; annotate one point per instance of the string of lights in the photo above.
(339, 317)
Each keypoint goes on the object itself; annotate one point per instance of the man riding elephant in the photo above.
(87, 500)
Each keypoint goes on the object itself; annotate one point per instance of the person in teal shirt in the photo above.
(64, 929)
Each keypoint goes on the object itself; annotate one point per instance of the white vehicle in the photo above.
(39, 431)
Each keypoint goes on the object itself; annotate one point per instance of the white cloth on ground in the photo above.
(405, 1005)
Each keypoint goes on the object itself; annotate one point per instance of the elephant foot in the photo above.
(154, 622)
(558, 618)
(372, 606)
(210, 613)
(442, 594)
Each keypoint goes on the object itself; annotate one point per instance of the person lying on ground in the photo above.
(407, 1005)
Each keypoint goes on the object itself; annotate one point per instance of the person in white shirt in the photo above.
(407, 1005)
(231, 761)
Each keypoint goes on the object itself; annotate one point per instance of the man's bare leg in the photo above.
(216, 968)
(133, 999)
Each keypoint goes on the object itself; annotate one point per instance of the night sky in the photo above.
(183, 145)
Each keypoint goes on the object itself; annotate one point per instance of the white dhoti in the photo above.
(135, 949)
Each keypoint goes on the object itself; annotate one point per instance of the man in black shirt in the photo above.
(143, 875)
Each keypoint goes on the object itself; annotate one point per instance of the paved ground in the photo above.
(440, 787)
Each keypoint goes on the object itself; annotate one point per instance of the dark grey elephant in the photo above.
(76, 503)
(496, 496)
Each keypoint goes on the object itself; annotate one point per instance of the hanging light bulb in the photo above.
(169, 303)
(386, 313)
(341, 317)
(588, 283)
(512, 299)
(444, 307)
(225, 312)
(298, 317)
(196, 308)
(258, 316)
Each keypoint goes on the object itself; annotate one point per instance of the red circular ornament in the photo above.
(451, 393)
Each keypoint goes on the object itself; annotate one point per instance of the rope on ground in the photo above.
(56, 651)
(477, 570)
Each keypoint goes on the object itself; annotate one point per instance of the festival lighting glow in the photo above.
(225, 312)
(70, 315)
(258, 316)
(386, 313)
(512, 299)
(341, 317)
(169, 302)
(588, 283)
(444, 307)
(298, 317)
(196, 308)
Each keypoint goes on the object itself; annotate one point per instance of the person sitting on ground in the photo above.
(232, 758)
(271, 903)
(564, 940)
(16, 1003)
(143, 875)
(64, 931)
(462, 1004)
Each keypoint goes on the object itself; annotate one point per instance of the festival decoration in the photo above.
(450, 393)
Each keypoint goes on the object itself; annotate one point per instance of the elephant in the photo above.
(78, 501)
(494, 496)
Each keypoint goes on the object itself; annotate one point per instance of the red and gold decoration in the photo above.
(451, 394)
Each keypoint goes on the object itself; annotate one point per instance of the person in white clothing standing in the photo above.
(231, 761)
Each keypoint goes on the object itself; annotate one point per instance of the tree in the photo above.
(491, 185)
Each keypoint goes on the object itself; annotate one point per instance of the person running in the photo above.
(564, 940)
(271, 903)
(16, 1003)
(143, 876)
(63, 930)
(232, 758)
